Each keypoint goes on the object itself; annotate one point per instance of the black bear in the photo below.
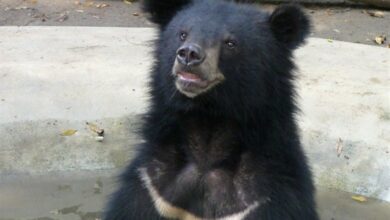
(221, 141)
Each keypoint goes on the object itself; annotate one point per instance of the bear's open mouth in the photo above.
(192, 83)
(187, 79)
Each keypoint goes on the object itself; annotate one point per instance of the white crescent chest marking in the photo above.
(167, 210)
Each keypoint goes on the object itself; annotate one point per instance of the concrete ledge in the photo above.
(345, 120)
(58, 78)
(53, 79)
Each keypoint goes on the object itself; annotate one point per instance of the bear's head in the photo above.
(214, 52)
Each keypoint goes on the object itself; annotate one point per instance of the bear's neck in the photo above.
(209, 141)
(217, 133)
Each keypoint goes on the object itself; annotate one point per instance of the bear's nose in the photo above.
(190, 55)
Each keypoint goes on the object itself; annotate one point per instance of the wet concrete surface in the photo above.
(82, 195)
(344, 23)
(65, 196)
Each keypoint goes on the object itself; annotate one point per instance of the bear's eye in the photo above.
(183, 36)
(230, 44)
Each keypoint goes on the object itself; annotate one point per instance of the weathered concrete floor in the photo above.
(81, 196)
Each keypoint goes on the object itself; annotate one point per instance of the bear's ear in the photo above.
(162, 11)
(290, 25)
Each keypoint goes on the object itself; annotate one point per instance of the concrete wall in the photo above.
(58, 78)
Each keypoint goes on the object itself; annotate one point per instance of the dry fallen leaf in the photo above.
(339, 147)
(380, 39)
(378, 14)
(359, 198)
(135, 14)
(129, 2)
(63, 17)
(98, 186)
(68, 132)
(17, 8)
(55, 212)
(89, 4)
(99, 138)
(96, 129)
(329, 12)
(102, 5)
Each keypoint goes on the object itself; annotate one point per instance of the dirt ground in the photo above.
(344, 23)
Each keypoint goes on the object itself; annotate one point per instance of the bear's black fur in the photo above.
(221, 141)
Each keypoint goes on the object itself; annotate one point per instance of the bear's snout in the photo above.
(190, 54)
